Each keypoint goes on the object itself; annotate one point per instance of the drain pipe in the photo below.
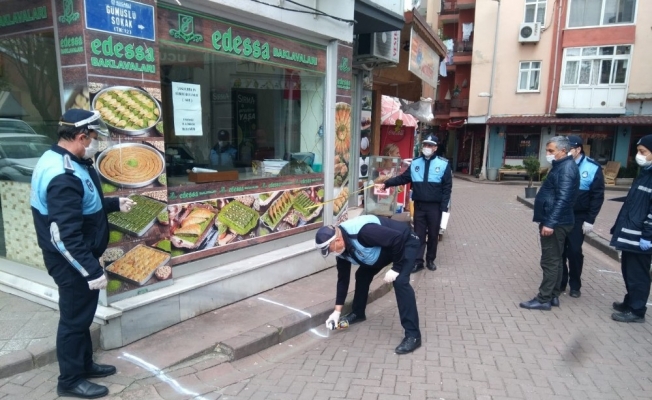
(554, 67)
(483, 172)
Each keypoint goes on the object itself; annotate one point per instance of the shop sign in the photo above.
(122, 17)
(71, 45)
(344, 68)
(424, 61)
(130, 56)
(186, 99)
(23, 16)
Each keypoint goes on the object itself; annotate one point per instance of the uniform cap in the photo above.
(575, 141)
(323, 238)
(222, 135)
(79, 118)
(430, 138)
(645, 141)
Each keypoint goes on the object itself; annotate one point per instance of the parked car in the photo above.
(11, 125)
(19, 153)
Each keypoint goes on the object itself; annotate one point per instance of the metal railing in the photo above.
(442, 107)
(460, 103)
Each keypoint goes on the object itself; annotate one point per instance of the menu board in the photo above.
(245, 111)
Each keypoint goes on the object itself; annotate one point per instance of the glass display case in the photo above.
(378, 201)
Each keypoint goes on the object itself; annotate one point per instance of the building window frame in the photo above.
(536, 5)
(601, 23)
(597, 57)
(527, 70)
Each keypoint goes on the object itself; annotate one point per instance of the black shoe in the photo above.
(626, 317)
(575, 293)
(352, 318)
(84, 390)
(417, 267)
(100, 371)
(620, 307)
(408, 345)
(562, 289)
(431, 265)
(554, 302)
(534, 304)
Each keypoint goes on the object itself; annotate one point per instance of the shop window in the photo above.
(521, 142)
(529, 73)
(598, 140)
(260, 120)
(585, 13)
(535, 11)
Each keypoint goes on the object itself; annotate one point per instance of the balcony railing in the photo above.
(463, 46)
(442, 107)
(460, 103)
(453, 6)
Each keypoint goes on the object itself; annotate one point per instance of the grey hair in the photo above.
(561, 142)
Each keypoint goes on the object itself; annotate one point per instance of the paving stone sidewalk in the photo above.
(478, 344)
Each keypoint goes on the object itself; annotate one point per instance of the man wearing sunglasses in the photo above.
(70, 216)
(373, 243)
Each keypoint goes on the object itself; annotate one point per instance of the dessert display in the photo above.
(193, 227)
(128, 110)
(162, 273)
(340, 200)
(131, 165)
(277, 211)
(141, 217)
(138, 265)
(238, 217)
(305, 206)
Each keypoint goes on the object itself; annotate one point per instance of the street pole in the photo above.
(483, 173)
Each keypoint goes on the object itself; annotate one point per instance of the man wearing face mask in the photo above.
(587, 206)
(372, 243)
(432, 184)
(223, 153)
(632, 234)
(70, 216)
(553, 210)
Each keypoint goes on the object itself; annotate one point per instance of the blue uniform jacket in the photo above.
(70, 211)
(591, 195)
(431, 178)
(554, 203)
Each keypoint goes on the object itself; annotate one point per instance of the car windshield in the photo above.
(24, 147)
(15, 126)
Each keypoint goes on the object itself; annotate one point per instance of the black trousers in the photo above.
(552, 248)
(405, 297)
(636, 274)
(573, 257)
(77, 306)
(427, 218)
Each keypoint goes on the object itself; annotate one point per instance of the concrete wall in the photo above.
(639, 78)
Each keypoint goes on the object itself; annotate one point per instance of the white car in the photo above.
(19, 153)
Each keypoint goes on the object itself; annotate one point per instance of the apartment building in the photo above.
(541, 68)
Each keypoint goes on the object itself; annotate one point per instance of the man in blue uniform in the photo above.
(432, 183)
(372, 243)
(632, 234)
(553, 210)
(70, 216)
(587, 206)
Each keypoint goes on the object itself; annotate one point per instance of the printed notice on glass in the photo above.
(186, 99)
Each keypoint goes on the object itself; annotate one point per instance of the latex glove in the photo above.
(126, 204)
(390, 276)
(333, 320)
(644, 244)
(99, 283)
(586, 227)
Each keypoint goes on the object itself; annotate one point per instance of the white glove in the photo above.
(126, 204)
(99, 283)
(586, 227)
(333, 320)
(390, 276)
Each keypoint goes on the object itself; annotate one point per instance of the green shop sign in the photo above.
(127, 57)
(71, 45)
(23, 16)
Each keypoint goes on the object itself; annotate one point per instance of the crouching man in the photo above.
(372, 243)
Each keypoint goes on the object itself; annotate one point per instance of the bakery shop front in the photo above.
(220, 129)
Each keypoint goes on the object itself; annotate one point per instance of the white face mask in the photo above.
(642, 160)
(550, 158)
(427, 151)
(221, 143)
(92, 149)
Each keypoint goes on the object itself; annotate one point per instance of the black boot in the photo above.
(431, 265)
(408, 345)
(417, 267)
(84, 390)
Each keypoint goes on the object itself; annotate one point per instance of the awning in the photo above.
(550, 120)
(370, 19)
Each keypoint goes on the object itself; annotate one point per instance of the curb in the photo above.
(37, 355)
(591, 238)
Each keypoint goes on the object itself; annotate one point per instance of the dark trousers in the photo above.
(77, 305)
(552, 249)
(427, 218)
(573, 257)
(636, 274)
(405, 297)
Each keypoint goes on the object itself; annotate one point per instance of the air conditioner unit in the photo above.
(529, 32)
(379, 47)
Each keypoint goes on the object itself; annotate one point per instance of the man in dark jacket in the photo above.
(587, 206)
(432, 183)
(72, 229)
(632, 234)
(553, 210)
(372, 243)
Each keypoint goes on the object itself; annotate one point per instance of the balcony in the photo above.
(452, 6)
(442, 109)
(459, 107)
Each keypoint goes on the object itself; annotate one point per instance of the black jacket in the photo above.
(591, 195)
(634, 220)
(554, 203)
